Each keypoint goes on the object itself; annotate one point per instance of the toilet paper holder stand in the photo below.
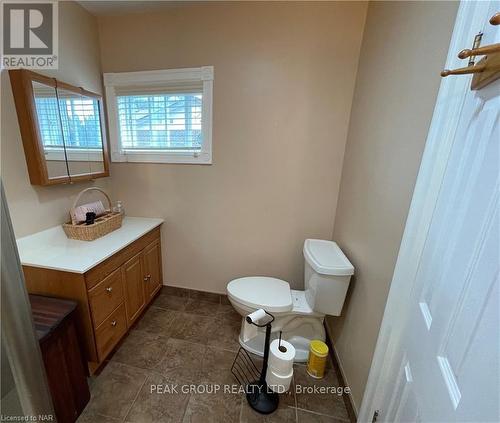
(259, 396)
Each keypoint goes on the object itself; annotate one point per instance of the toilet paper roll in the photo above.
(281, 360)
(278, 383)
(256, 316)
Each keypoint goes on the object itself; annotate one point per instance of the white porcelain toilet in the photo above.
(298, 314)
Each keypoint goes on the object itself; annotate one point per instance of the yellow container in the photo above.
(318, 353)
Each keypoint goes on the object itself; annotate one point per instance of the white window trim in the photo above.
(145, 78)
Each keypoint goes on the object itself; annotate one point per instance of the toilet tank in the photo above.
(327, 273)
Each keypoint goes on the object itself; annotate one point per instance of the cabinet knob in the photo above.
(113, 323)
(145, 278)
(109, 289)
(149, 276)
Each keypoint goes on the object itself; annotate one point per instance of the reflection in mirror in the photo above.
(80, 118)
(97, 155)
(50, 130)
(76, 131)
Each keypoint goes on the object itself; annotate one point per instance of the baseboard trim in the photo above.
(193, 289)
(195, 294)
(348, 400)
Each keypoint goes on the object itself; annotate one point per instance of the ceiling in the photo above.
(109, 7)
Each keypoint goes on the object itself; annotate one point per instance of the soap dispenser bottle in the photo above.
(119, 208)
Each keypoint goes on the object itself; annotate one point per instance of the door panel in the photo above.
(461, 272)
(407, 407)
(152, 271)
(133, 279)
(438, 355)
(474, 302)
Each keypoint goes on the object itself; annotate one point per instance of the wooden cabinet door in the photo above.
(133, 280)
(152, 269)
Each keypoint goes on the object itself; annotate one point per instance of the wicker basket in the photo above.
(103, 225)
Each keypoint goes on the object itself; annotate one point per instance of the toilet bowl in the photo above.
(299, 315)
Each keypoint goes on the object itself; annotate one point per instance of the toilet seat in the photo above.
(271, 294)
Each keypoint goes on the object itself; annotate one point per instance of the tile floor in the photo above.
(191, 338)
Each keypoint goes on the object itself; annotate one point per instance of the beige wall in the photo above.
(35, 208)
(404, 48)
(284, 79)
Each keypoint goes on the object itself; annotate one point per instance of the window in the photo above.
(161, 116)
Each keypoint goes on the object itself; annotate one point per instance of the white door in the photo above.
(437, 356)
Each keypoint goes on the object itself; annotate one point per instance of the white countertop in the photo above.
(51, 249)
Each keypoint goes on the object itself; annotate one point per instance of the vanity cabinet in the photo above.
(62, 129)
(111, 295)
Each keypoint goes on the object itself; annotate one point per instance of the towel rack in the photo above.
(487, 69)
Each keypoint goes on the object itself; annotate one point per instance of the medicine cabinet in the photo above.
(61, 128)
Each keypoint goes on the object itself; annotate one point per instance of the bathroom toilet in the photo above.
(298, 314)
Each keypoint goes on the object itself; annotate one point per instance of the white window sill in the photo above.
(203, 158)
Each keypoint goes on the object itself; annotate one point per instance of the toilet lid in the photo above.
(271, 294)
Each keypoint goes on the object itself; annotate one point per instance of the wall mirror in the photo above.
(61, 127)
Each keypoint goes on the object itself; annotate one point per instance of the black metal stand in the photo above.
(259, 396)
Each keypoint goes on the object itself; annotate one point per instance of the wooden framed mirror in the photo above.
(62, 128)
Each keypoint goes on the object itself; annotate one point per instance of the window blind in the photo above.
(160, 118)
(163, 88)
